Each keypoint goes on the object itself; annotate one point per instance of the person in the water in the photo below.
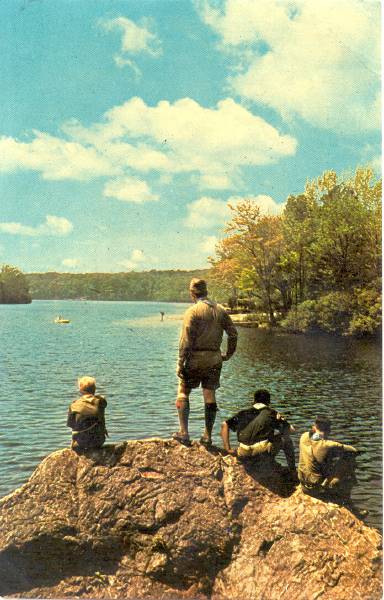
(260, 430)
(86, 416)
(326, 467)
(200, 359)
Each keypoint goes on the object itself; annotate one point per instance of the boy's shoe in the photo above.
(183, 439)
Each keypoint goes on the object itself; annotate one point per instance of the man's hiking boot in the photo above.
(206, 442)
(181, 438)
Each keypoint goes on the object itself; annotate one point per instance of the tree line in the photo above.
(160, 286)
(317, 266)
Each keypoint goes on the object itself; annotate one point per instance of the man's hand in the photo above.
(231, 451)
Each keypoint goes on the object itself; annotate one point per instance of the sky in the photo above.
(126, 126)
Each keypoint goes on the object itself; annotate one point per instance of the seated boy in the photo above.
(86, 417)
(260, 430)
(326, 467)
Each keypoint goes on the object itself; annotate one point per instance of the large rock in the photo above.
(154, 519)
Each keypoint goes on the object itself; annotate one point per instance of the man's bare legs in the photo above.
(182, 405)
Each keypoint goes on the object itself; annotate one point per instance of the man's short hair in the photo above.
(198, 287)
(323, 423)
(262, 396)
(87, 384)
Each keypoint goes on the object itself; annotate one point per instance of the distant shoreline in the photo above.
(146, 286)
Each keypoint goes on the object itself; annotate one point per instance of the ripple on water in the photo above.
(133, 355)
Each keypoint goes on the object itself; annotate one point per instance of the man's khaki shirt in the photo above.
(202, 334)
(315, 456)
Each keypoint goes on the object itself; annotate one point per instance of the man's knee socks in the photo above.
(210, 410)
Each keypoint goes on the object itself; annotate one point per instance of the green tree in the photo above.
(13, 286)
(299, 226)
(250, 254)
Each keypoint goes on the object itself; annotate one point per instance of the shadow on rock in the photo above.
(270, 474)
(45, 561)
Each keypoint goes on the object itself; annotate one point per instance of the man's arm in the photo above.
(282, 424)
(231, 332)
(225, 437)
(339, 448)
(187, 338)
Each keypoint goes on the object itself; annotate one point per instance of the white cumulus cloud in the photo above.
(135, 260)
(209, 243)
(319, 60)
(55, 158)
(55, 226)
(129, 189)
(207, 212)
(135, 39)
(215, 181)
(213, 145)
(186, 137)
(267, 205)
(70, 262)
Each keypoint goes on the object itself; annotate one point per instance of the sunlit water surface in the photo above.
(133, 355)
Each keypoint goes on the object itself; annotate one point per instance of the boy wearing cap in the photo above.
(200, 358)
(326, 467)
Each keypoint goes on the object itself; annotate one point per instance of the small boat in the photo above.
(61, 320)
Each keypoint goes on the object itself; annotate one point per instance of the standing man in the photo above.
(200, 358)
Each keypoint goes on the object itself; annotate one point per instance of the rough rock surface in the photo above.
(153, 519)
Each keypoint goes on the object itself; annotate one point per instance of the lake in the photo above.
(132, 354)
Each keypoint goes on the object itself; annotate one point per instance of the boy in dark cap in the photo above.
(260, 430)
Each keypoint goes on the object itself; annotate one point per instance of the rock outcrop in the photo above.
(153, 519)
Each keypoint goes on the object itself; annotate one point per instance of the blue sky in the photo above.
(127, 125)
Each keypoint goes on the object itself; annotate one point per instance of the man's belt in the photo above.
(207, 350)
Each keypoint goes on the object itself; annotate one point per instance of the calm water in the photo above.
(133, 354)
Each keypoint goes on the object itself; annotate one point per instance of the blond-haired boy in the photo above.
(86, 416)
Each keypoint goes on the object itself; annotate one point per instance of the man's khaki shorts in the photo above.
(209, 378)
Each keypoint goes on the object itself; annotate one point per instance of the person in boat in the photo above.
(326, 467)
(86, 416)
(261, 430)
(162, 313)
(200, 358)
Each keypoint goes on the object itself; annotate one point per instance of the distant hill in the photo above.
(162, 286)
